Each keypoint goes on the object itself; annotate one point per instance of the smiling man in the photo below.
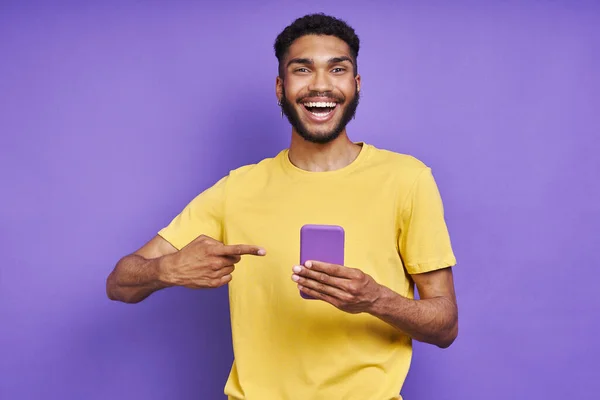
(353, 339)
(319, 109)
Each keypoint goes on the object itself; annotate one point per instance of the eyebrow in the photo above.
(309, 61)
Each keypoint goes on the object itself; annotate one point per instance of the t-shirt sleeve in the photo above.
(424, 241)
(202, 216)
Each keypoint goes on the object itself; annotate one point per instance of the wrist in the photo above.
(383, 295)
(162, 266)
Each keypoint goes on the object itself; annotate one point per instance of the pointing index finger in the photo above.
(241, 249)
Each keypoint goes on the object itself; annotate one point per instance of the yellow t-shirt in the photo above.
(286, 347)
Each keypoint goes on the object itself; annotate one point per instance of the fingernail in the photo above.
(295, 278)
(261, 252)
(297, 269)
(308, 264)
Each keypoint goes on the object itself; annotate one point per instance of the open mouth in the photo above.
(320, 109)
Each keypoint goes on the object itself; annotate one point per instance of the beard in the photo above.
(293, 117)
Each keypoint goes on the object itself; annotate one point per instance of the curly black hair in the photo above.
(316, 24)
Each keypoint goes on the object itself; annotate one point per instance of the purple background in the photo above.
(114, 115)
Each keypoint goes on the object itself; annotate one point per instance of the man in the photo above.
(353, 341)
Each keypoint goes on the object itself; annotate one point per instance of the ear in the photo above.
(357, 79)
(279, 88)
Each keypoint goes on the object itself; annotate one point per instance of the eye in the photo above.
(301, 70)
(338, 70)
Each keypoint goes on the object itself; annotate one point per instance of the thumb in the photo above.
(206, 239)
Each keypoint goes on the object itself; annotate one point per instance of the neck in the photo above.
(316, 157)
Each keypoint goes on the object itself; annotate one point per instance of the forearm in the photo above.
(135, 278)
(432, 320)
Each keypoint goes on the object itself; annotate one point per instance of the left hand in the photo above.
(348, 289)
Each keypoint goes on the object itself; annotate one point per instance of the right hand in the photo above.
(205, 263)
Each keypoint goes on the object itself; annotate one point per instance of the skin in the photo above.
(432, 319)
(202, 264)
(320, 75)
(207, 263)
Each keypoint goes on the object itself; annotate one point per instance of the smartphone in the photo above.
(321, 243)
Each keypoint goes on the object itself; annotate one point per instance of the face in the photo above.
(317, 88)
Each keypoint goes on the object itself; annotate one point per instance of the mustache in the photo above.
(327, 95)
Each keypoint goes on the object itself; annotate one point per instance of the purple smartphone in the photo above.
(321, 243)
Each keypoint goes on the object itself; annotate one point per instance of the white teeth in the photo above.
(320, 104)
(321, 114)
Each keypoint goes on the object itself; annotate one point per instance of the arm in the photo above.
(432, 319)
(424, 245)
(137, 276)
(204, 263)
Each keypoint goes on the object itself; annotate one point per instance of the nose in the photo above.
(320, 82)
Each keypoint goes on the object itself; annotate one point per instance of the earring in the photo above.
(279, 104)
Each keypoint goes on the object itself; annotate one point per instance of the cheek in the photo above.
(349, 89)
(293, 89)
(346, 87)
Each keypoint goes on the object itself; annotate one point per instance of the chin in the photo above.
(319, 137)
(319, 129)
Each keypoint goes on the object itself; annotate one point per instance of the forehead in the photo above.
(318, 46)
